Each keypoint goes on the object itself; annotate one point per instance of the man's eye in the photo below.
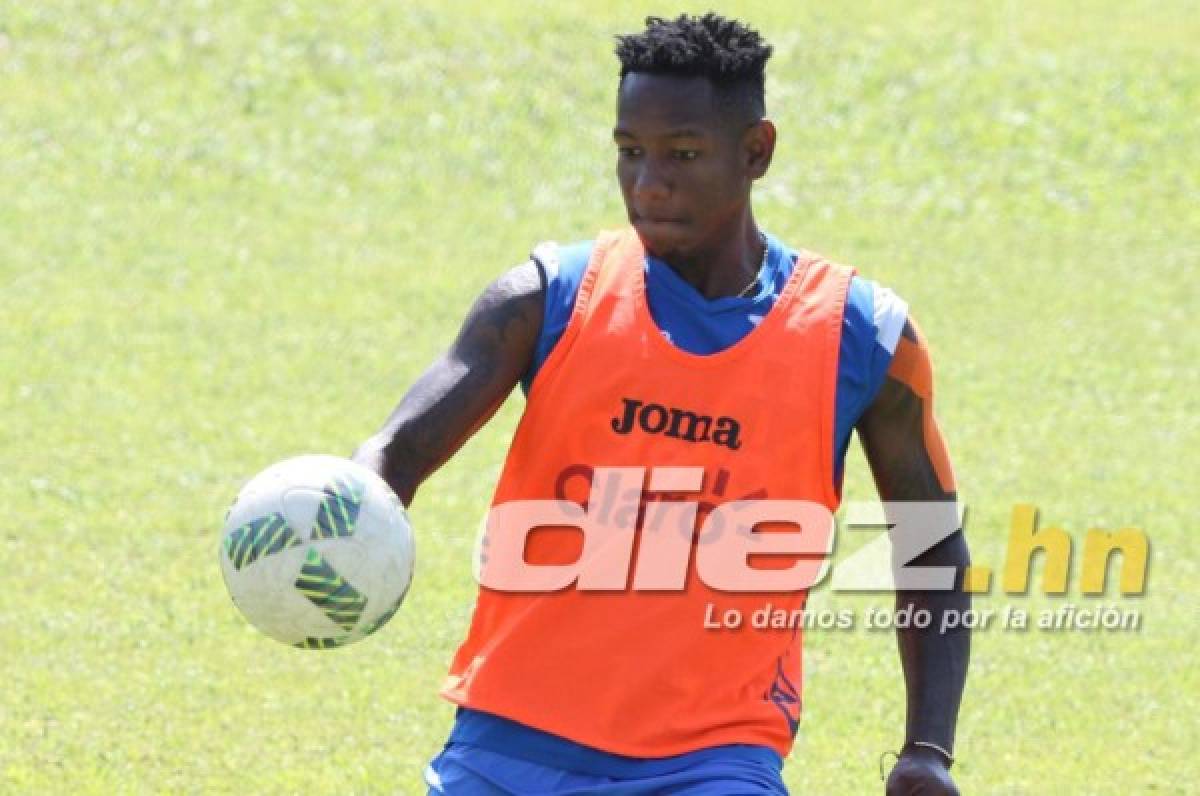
(686, 154)
(629, 151)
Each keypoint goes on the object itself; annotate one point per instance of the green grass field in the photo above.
(231, 235)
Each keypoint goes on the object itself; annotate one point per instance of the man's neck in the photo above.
(729, 265)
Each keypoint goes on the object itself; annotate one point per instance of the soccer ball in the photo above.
(317, 552)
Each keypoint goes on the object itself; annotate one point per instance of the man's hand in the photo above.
(921, 772)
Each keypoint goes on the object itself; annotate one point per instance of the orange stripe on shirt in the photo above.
(912, 366)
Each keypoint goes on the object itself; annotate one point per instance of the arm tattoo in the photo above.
(468, 383)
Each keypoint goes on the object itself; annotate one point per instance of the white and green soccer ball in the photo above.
(317, 552)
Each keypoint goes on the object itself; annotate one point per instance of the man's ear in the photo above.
(758, 147)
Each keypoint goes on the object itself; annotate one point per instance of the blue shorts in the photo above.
(464, 770)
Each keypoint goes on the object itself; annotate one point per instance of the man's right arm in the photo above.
(464, 387)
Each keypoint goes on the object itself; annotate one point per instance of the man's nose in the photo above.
(651, 183)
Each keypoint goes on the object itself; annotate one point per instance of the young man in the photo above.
(692, 338)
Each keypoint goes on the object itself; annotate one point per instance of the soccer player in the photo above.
(690, 338)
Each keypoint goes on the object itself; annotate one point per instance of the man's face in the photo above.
(685, 168)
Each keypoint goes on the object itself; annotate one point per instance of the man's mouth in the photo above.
(656, 219)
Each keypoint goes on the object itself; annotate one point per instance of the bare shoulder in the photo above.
(506, 317)
(521, 284)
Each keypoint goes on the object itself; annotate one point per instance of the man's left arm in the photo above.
(908, 458)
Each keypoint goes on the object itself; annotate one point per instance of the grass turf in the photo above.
(230, 235)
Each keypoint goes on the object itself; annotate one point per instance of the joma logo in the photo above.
(678, 423)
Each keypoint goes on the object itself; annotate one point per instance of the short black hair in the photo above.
(726, 51)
